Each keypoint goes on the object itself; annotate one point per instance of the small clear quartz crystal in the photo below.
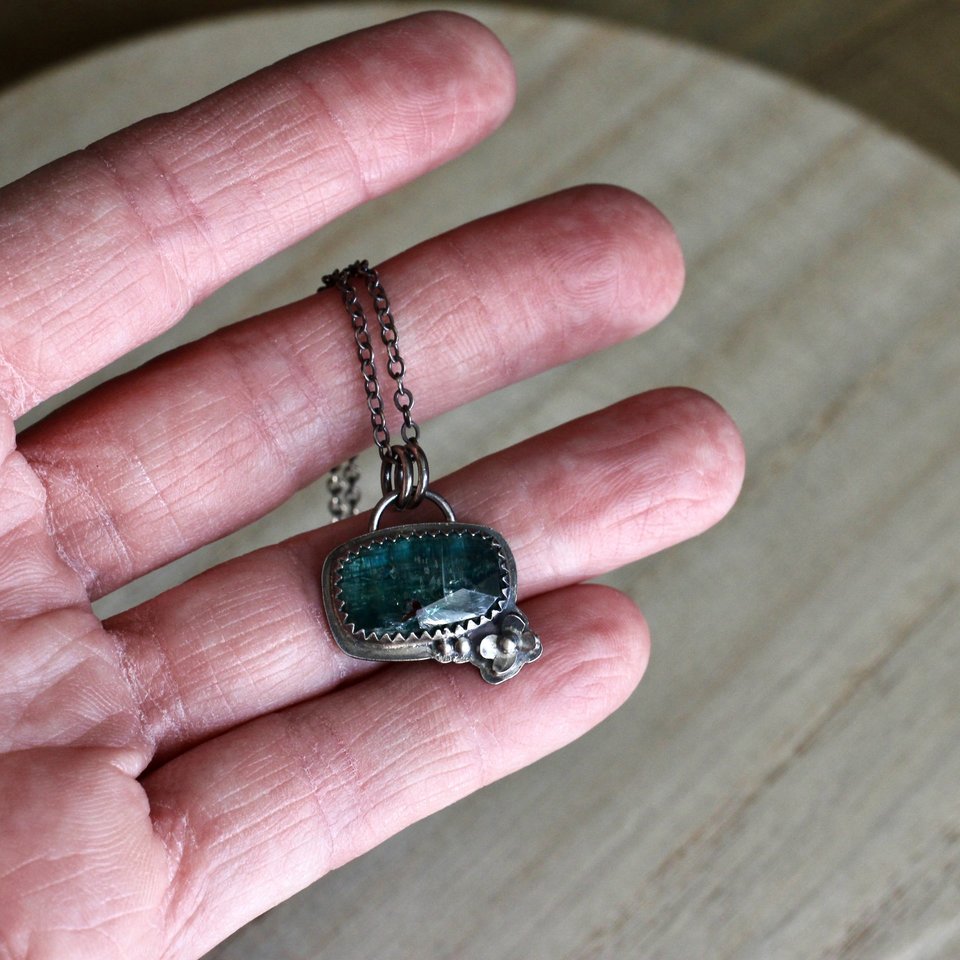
(460, 605)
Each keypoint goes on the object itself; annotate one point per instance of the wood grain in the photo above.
(785, 782)
(895, 60)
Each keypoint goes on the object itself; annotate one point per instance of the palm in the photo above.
(85, 874)
(172, 773)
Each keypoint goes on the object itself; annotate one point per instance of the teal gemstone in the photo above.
(416, 583)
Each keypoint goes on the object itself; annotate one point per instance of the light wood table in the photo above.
(895, 60)
(786, 782)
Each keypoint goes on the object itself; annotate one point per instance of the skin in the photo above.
(170, 774)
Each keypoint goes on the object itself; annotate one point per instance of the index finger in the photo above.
(109, 246)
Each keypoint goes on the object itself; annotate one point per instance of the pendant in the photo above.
(445, 591)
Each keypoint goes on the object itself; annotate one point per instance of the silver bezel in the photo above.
(421, 645)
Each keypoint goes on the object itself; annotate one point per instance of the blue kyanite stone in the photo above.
(414, 584)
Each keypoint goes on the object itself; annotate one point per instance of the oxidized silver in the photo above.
(498, 642)
(496, 637)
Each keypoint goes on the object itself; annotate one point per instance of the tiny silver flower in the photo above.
(504, 653)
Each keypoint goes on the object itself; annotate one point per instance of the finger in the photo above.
(250, 636)
(104, 249)
(206, 439)
(261, 812)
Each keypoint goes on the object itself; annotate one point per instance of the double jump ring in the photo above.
(406, 473)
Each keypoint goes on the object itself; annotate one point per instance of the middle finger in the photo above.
(211, 436)
(247, 637)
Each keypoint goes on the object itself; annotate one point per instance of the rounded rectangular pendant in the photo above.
(444, 591)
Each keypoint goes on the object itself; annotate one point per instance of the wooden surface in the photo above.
(895, 60)
(784, 784)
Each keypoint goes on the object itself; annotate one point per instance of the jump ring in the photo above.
(405, 471)
(423, 471)
(397, 475)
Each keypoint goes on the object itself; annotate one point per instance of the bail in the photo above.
(390, 500)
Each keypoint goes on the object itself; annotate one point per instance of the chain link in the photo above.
(402, 397)
(404, 468)
(344, 493)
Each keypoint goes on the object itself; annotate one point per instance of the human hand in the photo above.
(172, 773)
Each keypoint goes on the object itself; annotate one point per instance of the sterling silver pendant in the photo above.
(445, 591)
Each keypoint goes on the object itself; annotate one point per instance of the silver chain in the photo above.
(404, 468)
(342, 484)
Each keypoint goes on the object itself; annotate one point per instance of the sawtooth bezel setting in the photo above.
(458, 642)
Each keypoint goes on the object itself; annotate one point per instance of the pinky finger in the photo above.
(257, 814)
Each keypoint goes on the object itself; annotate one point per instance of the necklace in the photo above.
(445, 591)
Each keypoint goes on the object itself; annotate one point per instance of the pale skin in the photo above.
(170, 774)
